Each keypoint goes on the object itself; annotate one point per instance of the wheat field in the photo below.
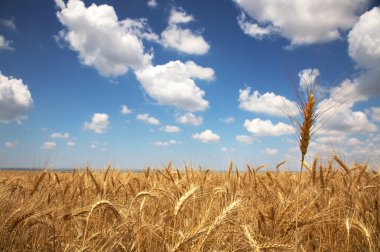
(192, 209)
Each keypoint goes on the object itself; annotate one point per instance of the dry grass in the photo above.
(191, 210)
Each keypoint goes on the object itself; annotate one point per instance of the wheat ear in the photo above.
(308, 121)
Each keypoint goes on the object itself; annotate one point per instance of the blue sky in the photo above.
(140, 83)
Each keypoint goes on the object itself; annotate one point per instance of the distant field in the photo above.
(191, 210)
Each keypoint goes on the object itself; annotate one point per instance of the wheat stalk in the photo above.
(183, 198)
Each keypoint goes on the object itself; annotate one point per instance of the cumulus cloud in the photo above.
(260, 127)
(102, 41)
(245, 139)
(206, 136)
(164, 144)
(15, 99)
(302, 22)
(308, 77)
(254, 30)
(375, 114)
(152, 3)
(364, 40)
(171, 129)
(5, 44)
(270, 151)
(48, 145)
(99, 123)
(125, 110)
(10, 144)
(183, 40)
(173, 84)
(179, 16)
(147, 119)
(190, 118)
(364, 49)
(267, 103)
(60, 135)
(347, 120)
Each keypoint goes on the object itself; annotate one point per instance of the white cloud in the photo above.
(364, 49)
(10, 144)
(270, 151)
(125, 110)
(173, 84)
(8, 23)
(348, 121)
(260, 127)
(190, 118)
(254, 30)
(99, 123)
(245, 139)
(183, 40)
(178, 16)
(15, 99)
(60, 135)
(165, 144)
(5, 44)
(147, 119)
(102, 41)
(364, 40)
(268, 103)
(225, 149)
(206, 136)
(228, 120)
(171, 129)
(308, 78)
(375, 114)
(60, 4)
(302, 22)
(70, 143)
(152, 3)
(49, 145)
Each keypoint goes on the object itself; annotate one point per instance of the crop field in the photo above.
(328, 207)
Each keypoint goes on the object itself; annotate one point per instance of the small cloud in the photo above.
(245, 139)
(147, 119)
(152, 3)
(8, 23)
(70, 143)
(268, 103)
(225, 149)
(178, 16)
(206, 136)
(60, 135)
(190, 118)
(164, 144)
(125, 110)
(266, 128)
(60, 4)
(93, 146)
(5, 44)
(10, 144)
(99, 123)
(270, 151)
(15, 99)
(228, 120)
(171, 129)
(49, 145)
